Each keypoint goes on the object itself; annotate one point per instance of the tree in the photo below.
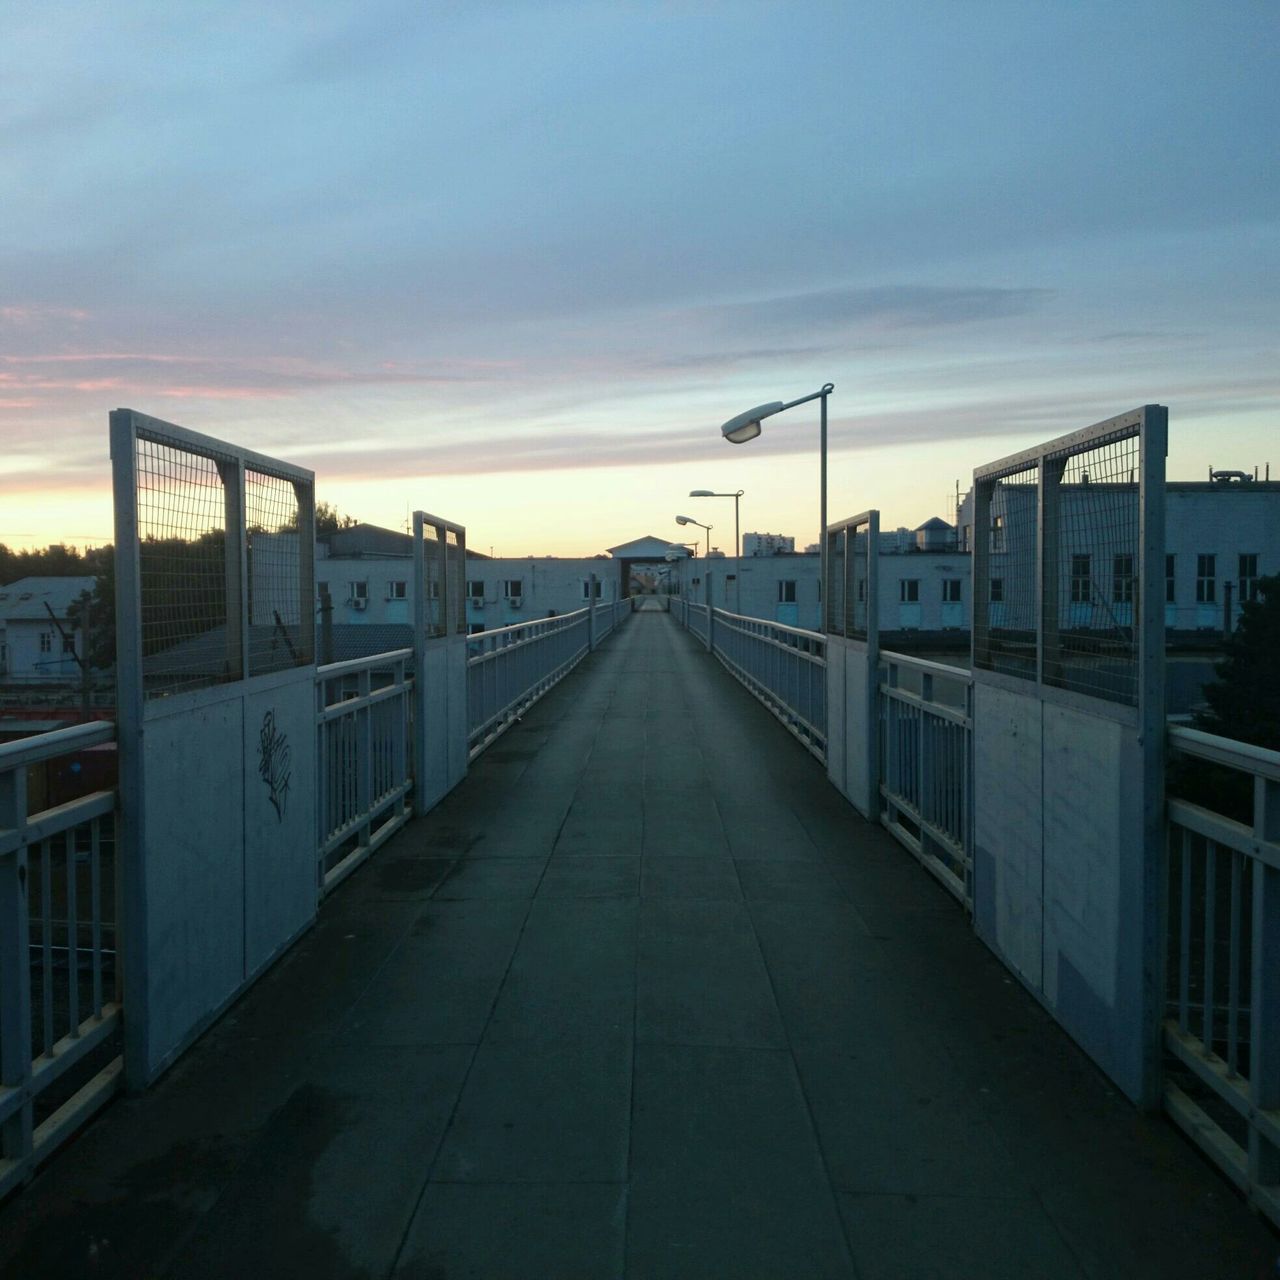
(329, 519)
(1244, 700)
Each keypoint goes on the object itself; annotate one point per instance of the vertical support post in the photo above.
(305, 496)
(871, 704)
(15, 964)
(822, 516)
(980, 576)
(235, 553)
(711, 614)
(591, 612)
(1153, 448)
(1048, 594)
(131, 928)
(419, 664)
(737, 557)
(1264, 1021)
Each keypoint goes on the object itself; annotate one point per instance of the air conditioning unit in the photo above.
(516, 602)
(477, 602)
(358, 602)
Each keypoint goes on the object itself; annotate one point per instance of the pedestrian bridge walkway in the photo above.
(642, 997)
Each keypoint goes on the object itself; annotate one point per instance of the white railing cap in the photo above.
(59, 742)
(1227, 751)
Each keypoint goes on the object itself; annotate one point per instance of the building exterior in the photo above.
(35, 647)
(767, 544)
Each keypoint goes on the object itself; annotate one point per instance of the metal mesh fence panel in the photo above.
(433, 578)
(1005, 629)
(1091, 570)
(182, 503)
(455, 554)
(273, 557)
(857, 594)
(837, 540)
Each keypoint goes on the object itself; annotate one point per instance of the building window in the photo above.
(474, 628)
(862, 591)
(997, 533)
(46, 642)
(997, 589)
(1248, 577)
(1080, 585)
(69, 644)
(433, 589)
(1170, 584)
(396, 591)
(475, 590)
(787, 591)
(357, 590)
(586, 588)
(513, 587)
(1122, 579)
(1206, 579)
(909, 590)
(951, 591)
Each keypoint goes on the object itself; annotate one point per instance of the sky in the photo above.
(514, 263)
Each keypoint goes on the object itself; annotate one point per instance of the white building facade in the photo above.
(34, 648)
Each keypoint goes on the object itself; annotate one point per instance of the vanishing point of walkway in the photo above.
(642, 998)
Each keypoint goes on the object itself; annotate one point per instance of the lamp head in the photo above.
(746, 426)
(684, 520)
(701, 493)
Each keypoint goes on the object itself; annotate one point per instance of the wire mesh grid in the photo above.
(182, 563)
(857, 589)
(1091, 570)
(433, 575)
(1005, 638)
(274, 563)
(455, 551)
(837, 540)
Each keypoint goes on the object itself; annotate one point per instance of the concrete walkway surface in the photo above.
(644, 997)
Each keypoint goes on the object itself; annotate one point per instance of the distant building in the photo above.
(767, 544)
(36, 647)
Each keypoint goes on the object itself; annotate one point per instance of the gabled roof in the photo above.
(25, 600)
(649, 545)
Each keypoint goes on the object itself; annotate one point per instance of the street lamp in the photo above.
(707, 527)
(746, 426)
(737, 539)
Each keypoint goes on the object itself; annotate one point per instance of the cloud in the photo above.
(893, 307)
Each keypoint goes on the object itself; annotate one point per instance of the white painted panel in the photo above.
(862, 775)
(1008, 871)
(431, 772)
(1083, 844)
(837, 649)
(194, 869)
(281, 894)
(455, 672)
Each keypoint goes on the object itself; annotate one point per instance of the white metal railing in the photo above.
(510, 668)
(364, 711)
(59, 983)
(785, 667)
(695, 618)
(1222, 1024)
(926, 784)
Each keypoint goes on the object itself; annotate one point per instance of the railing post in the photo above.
(711, 614)
(1264, 1021)
(15, 968)
(591, 613)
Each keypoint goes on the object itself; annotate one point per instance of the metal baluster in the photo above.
(1233, 970)
(1184, 953)
(95, 907)
(73, 934)
(1210, 940)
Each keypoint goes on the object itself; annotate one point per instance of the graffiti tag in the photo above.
(274, 755)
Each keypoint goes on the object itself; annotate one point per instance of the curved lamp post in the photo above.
(746, 426)
(737, 539)
(706, 589)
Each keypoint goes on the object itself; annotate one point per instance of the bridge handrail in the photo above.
(52, 876)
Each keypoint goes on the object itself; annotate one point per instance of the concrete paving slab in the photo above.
(572, 978)
(700, 979)
(492, 879)
(439, 985)
(776, 880)
(542, 1112)
(690, 879)
(925, 1237)
(554, 1231)
(594, 876)
(332, 1182)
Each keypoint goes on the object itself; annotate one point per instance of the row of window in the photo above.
(512, 588)
(46, 643)
(1084, 590)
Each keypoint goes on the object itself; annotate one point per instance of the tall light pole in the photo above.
(706, 589)
(737, 539)
(746, 426)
